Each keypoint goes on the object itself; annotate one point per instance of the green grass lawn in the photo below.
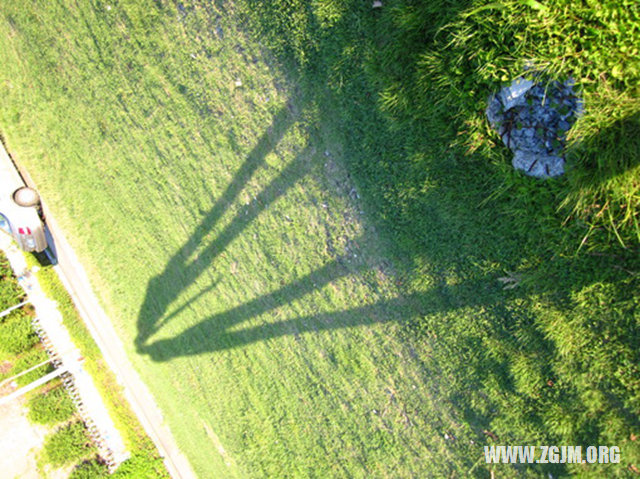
(302, 261)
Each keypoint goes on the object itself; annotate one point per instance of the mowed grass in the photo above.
(310, 287)
(219, 212)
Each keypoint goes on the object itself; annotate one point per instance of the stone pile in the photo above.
(533, 120)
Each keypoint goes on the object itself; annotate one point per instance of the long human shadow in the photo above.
(214, 333)
(200, 335)
(163, 289)
(220, 331)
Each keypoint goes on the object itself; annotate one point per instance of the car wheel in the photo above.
(26, 197)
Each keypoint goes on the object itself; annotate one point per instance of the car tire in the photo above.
(26, 197)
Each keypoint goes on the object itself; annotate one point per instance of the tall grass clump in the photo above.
(488, 44)
(51, 407)
(604, 183)
(68, 444)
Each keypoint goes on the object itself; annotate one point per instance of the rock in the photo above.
(532, 120)
(540, 166)
(514, 94)
(494, 111)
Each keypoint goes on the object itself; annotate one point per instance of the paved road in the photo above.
(136, 392)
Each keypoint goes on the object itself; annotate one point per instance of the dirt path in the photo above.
(142, 402)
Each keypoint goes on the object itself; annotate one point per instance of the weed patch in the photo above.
(51, 407)
(67, 445)
(91, 469)
(16, 334)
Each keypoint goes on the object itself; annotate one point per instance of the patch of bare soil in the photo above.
(19, 440)
(5, 366)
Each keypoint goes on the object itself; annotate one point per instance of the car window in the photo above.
(4, 224)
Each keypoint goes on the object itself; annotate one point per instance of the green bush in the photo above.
(51, 407)
(27, 360)
(10, 291)
(141, 466)
(67, 445)
(17, 334)
(92, 469)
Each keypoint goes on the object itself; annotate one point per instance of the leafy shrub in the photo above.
(51, 407)
(27, 360)
(141, 466)
(67, 445)
(10, 292)
(17, 334)
(92, 469)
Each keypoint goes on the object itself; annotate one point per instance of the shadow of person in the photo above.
(219, 331)
(182, 270)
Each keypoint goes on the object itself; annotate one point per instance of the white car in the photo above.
(20, 209)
